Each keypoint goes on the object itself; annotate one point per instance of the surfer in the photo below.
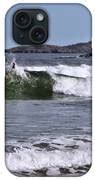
(13, 64)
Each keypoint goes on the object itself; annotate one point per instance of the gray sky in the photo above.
(69, 23)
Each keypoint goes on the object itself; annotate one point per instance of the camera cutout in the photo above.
(30, 26)
(37, 35)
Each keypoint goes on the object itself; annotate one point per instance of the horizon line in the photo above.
(81, 42)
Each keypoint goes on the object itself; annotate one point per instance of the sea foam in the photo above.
(69, 153)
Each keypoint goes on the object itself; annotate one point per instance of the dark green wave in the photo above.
(39, 85)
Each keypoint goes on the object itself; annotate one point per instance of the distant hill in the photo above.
(74, 48)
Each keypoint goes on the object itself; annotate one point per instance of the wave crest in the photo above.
(68, 80)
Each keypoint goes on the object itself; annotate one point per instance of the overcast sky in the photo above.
(69, 24)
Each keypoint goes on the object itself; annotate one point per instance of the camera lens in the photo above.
(38, 35)
(22, 19)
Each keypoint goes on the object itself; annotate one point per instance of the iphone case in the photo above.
(48, 95)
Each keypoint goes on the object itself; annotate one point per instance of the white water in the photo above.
(28, 157)
(69, 80)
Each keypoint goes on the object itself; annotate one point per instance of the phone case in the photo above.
(48, 95)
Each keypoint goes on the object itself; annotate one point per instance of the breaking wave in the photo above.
(62, 79)
(47, 156)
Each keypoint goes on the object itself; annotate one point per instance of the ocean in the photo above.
(48, 114)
